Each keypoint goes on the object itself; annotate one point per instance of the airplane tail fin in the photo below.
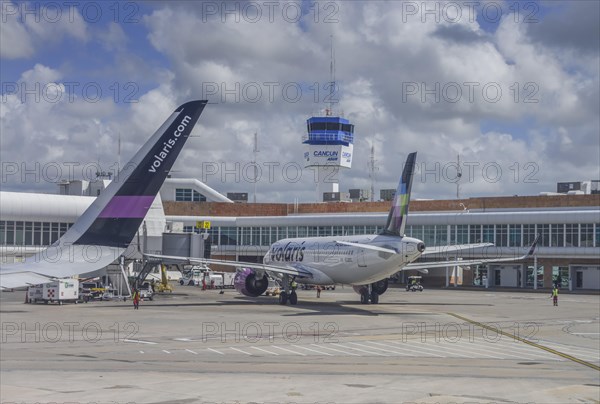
(396, 222)
(116, 215)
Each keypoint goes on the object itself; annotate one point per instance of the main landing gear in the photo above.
(292, 298)
(367, 296)
(288, 294)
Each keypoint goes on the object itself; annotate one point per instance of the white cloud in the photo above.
(27, 27)
(378, 57)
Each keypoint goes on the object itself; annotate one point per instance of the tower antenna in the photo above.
(372, 168)
(332, 78)
(255, 150)
(458, 176)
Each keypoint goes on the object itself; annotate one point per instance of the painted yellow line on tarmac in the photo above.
(553, 351)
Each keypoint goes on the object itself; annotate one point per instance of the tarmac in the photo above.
(193, 346)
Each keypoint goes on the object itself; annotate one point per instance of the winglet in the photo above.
(396, 222)
(533, 246)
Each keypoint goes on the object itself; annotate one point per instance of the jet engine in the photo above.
(380, 286)
(248, 283)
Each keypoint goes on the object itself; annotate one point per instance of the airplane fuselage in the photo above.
(331, 262)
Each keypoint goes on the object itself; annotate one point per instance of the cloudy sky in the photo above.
(511, 87)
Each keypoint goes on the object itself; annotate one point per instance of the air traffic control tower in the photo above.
(330, 144)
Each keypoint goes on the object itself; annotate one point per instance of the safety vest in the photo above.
(554, 292)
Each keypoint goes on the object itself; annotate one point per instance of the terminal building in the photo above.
(569, 225)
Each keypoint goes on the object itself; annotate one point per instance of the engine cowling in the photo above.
(360, 289)
(249, 284)
(380, 287)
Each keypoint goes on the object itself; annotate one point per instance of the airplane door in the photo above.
(361, 260)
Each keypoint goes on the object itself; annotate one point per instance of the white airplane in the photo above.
(107, 227)
(363, 261)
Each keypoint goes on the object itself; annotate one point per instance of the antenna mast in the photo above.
(329, 111)
(458, 176)
(255, 150)
(372, 168)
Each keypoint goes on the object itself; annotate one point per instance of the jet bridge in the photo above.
(185, 245)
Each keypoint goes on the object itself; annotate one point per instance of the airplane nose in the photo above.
(421, 247)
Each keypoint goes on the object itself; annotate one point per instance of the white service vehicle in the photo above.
(222, 280)
(146, 291)
(64, 290)
(194, 276)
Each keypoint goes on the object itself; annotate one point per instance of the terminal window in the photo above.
(188, 195)
(587, 235)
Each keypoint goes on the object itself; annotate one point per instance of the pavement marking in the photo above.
(482, 351)
(336, 350)
(264, 350)
(447, 347)
(441, 349)
(412, 351)
(384, 350)
(533, 344)
(239, 350)
(190, 351)
(214, 350)
(516, 352)
(574, 351)
(141, 352)
(137, 341)
(360, 350)
(288, 350)
(165, 351)
(313, 350)
(420, 348)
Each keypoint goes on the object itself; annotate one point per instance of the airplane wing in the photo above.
(451, 263)
(106, 228)
(58, 262)
(298, 271)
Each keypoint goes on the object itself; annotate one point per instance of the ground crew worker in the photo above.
(294, 285)
(555, 296)
(318, 290)
(136, 299)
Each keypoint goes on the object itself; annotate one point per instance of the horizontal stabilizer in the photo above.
(368, 247)
(465, 263)
(454, 248)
